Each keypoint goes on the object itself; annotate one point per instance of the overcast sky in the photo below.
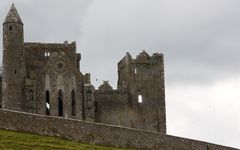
(200, 40)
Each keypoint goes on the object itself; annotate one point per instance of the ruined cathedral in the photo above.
(46, 78)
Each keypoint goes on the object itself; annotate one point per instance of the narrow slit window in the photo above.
(140, 99)
(135, 71)
(10, 28)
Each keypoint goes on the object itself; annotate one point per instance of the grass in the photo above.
(10, 140)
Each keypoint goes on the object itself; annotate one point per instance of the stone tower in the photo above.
(143, 80)
(14, 70)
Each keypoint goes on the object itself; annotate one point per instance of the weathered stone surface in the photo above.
(34, 74)
(89, 98)
(45, 78)
(105, 87)
(139, 101)
(14, 68)
(13, 16)
(96, 133)
(0, 91)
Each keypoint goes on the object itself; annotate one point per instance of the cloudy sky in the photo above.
(200, 40)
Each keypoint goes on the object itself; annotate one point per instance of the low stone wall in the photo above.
(96, 133)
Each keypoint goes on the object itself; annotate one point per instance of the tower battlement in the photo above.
(142, 58)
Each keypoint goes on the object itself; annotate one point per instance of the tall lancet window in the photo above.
(47, 102)
(73, 103)
(60, 103)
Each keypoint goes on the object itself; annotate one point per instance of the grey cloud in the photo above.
(190, 33)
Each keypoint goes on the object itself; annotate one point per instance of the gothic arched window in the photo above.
(47, 102)
(60, 103)
(73, 103)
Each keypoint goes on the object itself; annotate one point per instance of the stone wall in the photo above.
(112, 108)
(0, 91)
(96, 133)
(37, 54)
(143, 81)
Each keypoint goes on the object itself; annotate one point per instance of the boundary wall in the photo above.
(97, 133)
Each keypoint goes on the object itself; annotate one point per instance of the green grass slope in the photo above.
(10, 140)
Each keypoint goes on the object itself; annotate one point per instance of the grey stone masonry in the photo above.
(97, 133)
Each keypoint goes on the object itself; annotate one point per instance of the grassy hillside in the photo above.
(17, 141)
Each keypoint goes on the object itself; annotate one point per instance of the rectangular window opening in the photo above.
(140, 99)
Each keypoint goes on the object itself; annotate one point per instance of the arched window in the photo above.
(73, 103)
(47, 102)
(60, 103)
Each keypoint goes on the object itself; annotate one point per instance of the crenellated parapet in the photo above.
(128, 67)
(105, 87)
(145, 58)
(87, 78)
(125, 61)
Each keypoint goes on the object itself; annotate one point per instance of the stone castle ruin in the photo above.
(44, 92)
(46, 79)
